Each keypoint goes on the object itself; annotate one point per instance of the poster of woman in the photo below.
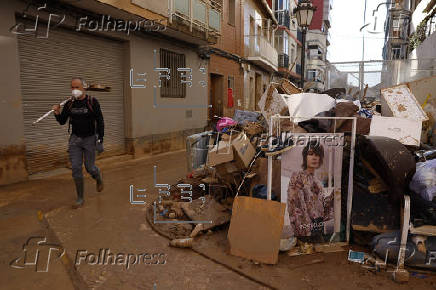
(311, 185)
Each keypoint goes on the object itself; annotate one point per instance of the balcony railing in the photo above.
(283, 18)
(198, 14)
(315, 57)
(284, 60)
(261, 49)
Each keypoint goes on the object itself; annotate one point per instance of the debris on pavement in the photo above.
(357, 257)
(255, 229)
(228, 174)
(181, 243)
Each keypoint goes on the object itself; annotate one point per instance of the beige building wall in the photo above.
(316, 37)
(12, 147)
(148, 129)
(150, 123)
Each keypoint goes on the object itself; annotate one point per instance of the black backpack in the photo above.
(89, 103)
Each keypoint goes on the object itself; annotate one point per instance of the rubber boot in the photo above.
(79, 188)
(99, 180)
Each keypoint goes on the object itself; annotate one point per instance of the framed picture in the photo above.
(311, 184)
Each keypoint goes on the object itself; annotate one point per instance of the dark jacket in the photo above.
(84, 121)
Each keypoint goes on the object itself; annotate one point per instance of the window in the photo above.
(286, 44)
(172, 88)
(311, 75)
(282, 5)
(231, 83)
(315, 52)
(232, 12)
(314, 75)
(396, 52)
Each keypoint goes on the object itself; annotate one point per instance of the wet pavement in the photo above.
(109, 244)
(107, 224)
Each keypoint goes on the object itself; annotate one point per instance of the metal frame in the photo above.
(351, 167)
(400, 274)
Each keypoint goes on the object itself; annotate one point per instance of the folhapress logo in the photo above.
(106, 257)
(37, 253)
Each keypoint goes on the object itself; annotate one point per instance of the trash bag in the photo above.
(260, 191)
(225, 122)
(420, 250)
(242, 117)
(424, 180)
(422, 212)
(196, 149)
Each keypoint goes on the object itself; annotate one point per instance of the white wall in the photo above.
(418, 15)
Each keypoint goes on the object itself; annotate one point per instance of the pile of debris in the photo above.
(395, 138)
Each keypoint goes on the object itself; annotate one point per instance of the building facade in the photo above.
(129, 46)
(397, 27)
(317, 42)
(288, 40)
(410, 40)
(261, 57)
(226, 74)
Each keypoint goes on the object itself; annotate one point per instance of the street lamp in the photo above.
(304, 12)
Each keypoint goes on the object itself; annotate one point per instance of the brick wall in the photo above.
(225, 67)
(317, 17)
(231, 41)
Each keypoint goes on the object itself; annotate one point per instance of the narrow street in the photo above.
(224, 144)
(107, 221)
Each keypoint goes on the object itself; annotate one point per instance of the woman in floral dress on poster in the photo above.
(308, 208)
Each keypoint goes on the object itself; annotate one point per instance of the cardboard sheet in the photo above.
(255, 229)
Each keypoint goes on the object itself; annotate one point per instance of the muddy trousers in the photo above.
(82, 150)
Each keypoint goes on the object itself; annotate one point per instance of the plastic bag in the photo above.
(424, 180)
(225, 122)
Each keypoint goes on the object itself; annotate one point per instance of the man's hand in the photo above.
(56, 109)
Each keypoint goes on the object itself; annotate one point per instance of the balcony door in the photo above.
(257, 90)
(216, 94)
(251, 36)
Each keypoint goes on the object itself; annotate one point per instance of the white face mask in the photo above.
(76, 93)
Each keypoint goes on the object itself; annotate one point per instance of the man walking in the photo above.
(86, 120)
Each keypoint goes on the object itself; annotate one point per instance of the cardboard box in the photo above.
(220, 153)
(243, 150)
(408, 132)
(226, 172)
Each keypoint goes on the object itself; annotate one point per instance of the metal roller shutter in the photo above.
(47, 66)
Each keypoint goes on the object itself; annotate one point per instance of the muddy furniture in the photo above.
(400, 274)
(383, 169)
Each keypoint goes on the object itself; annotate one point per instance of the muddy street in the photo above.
(109, 224)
